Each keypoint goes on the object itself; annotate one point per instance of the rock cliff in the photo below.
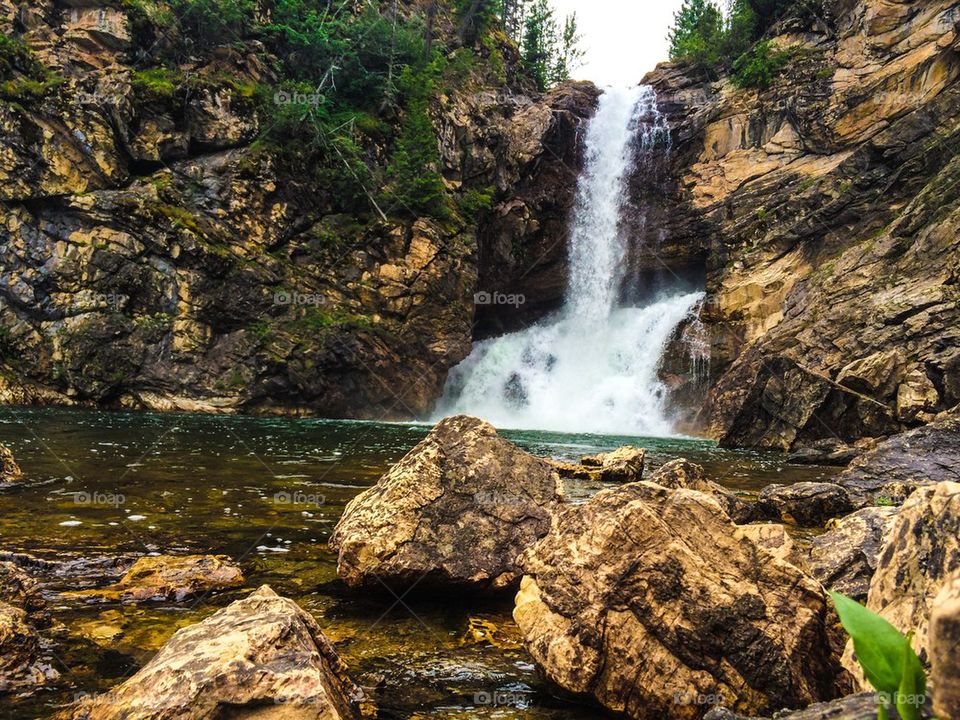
(158, 250)
(824, 210)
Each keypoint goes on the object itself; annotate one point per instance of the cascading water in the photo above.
(593, 366)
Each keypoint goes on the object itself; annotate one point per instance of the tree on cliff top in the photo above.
(702, 34)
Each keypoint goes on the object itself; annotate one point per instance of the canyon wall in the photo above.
(156, 253)
(825, 210)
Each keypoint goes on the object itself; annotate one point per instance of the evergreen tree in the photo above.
(569, 54)
(697, 33)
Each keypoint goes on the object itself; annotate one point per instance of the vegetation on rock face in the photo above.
(354, 90)
(702, 34)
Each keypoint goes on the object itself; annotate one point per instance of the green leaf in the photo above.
(913, 684)
(878, 644)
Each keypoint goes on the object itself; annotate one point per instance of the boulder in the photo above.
(646, 599)
(845, 558)
(682, 473)
(830, 451)
(457, 510)
(809, 504)
(625, 464)
(260, 657)
(876, 375)
(20, 663)
(945, 650)
(900, 464)
(916, 563)
(168, 577)
(862, 706)
(9, 470)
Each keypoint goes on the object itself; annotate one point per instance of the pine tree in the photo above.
(540, 43)
(697, 33)
(568, 54)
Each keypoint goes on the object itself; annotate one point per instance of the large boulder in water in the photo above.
(917, 562)
(647, 599)
(457, 509)
(808, 504)
(261, 657)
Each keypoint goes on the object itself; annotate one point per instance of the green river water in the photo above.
(267, 492)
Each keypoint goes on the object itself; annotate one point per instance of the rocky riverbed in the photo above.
(90, 635)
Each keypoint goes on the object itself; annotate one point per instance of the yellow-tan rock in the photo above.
(646, 599)
(260, 656)
(456, 511)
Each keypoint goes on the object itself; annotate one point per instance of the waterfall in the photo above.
(592, 367)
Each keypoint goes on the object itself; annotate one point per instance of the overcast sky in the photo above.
(622, 39)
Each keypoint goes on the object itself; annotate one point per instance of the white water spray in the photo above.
(592, 367)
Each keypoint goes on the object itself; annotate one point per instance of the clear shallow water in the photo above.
(268, 491)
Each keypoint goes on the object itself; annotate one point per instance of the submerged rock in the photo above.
(809, 504)
(916, 563)
(457, 509)
(20, 663)
(647, 599)
(845, 558)
(260, 657)
(945, 650)
(900, 464)
(9, 470)
(682, 473)
(168, 577)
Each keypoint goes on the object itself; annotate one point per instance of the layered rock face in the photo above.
(649, 600)
(156, 254)
(457, 510)
(262, 656)
(827, 209)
